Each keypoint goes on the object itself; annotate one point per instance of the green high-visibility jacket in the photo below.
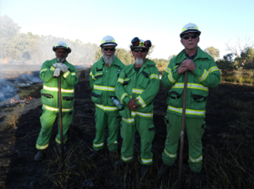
(103, 81)
(142, 86)
(204, 76)
(49, 93)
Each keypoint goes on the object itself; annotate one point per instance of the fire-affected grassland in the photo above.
(228, 147)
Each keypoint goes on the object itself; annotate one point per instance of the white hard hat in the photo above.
(190, 28)
(108, 41)
(61, 45)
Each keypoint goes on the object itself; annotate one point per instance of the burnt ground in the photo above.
(227, 147)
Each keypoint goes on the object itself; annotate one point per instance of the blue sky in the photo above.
(161, 21)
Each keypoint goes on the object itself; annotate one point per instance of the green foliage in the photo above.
(215, 53)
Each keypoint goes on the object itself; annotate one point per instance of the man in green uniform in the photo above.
(103, 78)
(136, 88)
(50, 71)
(202, 74)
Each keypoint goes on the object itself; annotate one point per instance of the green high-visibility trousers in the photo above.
(146, 130)
(47, 120)
(194, 129)
(102, 118)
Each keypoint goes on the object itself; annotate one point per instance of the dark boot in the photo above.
(94, 155)
(164, 169)
(119, 164)
(39, 156)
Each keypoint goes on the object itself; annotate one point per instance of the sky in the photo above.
(220, 21)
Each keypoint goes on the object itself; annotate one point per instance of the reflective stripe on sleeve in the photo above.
(52, 68)
(73, 73)
(188, 111)
(123, 96)
(66, 74)
(137, 91)
(107, 108)
(43, 70)
(120, 80)
(154, 76)
(104, 88)
(204, 76)
(168, 70)
(200, 158)
(91, 74)
(170, 77)
(213, 69)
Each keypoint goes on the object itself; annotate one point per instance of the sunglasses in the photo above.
(193, 36)
(139, 50)
(106, 49)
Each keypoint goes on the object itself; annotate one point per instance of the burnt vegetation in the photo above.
(228, 146)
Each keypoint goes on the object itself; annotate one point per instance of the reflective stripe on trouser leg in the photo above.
(66, 120)
(127, 133)
(47, 120)
(100, 125)
(173, 134)
(113, 129)
(146, 132)
(195, 132)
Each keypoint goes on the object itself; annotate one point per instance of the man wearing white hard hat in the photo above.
(136, 88)
(203, 74)
(103, 78)
(50, 71)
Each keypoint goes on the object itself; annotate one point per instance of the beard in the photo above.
(139, 61)
(107, 60)
(60, 60)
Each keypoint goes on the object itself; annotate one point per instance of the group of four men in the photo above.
(134, 87)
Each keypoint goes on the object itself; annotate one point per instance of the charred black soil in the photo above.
(228, 147)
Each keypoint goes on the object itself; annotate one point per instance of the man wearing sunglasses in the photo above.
(202, 74)
(103, 78)
(136, 88)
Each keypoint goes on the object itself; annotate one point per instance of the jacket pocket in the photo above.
(96, 96)
(98, 78)
(48, 98)
(145, 81)
(198, 100)
(175, 97)
(67, 101)
(125, 113)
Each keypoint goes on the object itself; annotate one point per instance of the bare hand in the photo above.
(132, 105)
(189, 64)
(181, 69)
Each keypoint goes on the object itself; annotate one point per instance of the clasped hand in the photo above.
(186, 65)
(132, 105)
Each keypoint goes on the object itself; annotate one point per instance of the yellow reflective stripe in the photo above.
(200, 158)
(188, 111)
(141, 101)
(155, 76)
(204, 76)
(73, 73)
(128, 120)
(59, 142)
(133, 114)
(191, 86)
(106, 108)
(170, 77)
(104, 88)
(66, 74)
(212, 69)
(100, 73)
(52, 68)
(56, 109)
(98, 145)
(169, 155)
(183, 29)
(91, 74)
(123, 96)
(120, 80)
(137, 91)
(42, 147)
(126, 158)
(56, 89)
(115, 142)
(146, 161)
(168, 70)
(43, 70)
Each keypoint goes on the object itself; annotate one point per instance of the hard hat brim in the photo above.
(190, 31)
(108, 44)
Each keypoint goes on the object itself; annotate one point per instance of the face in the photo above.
(61, 54)
(108, 51)
(138, 54)
(190, 43)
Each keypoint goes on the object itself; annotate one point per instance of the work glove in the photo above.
(57, 72)
(57, 65)
(64, 68)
